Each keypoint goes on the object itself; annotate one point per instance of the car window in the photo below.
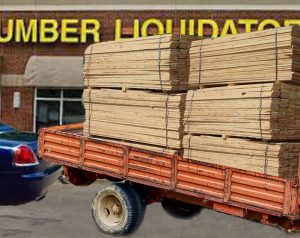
(19, 136)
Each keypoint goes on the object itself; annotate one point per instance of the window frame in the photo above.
(60, 99)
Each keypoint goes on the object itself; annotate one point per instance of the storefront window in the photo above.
(48, 93)
(57, 107)
(47, 113)
(73, 112)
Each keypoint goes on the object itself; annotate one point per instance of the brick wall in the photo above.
(16, 55)
(21, 118)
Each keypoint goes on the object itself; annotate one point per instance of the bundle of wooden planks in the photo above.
(135, 94)
(277, 159)
(255, 57)
(257, 114)
(140, 118)
(156, 62)
(267, 111)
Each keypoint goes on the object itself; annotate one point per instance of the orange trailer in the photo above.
(182, 185)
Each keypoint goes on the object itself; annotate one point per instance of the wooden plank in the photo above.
(254, 57)
(277, 159)
(157, 62)
(266, 111)
(150, 118)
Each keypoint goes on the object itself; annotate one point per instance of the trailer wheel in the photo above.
(180, 209)
(115, 210)
(141, 203)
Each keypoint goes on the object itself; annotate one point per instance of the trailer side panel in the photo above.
(237, 188)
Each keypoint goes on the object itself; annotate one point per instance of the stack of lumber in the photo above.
(267, 111)
(140, 118)
(277, 159)
(134, 94)
(156, 62)
(255, 57)
(119, 103)
(252, 123)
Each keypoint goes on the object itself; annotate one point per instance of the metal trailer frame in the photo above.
(267, 199)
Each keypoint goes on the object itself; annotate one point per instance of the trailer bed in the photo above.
(229, 190)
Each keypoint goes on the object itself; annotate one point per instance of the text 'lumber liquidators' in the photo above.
(83, 30)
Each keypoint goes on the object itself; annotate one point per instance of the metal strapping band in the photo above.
(200, 62)
(276, 54)
(189, 150)
(90, 112)
(189, 112)
(266, 160)
(89, 64)
(260, 109)
(90, 100)
(159, 60)
(167, 119)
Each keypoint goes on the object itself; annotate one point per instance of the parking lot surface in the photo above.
(65, 213)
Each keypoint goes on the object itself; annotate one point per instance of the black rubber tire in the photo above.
(130, 210)
(141, 204)
(180, 209)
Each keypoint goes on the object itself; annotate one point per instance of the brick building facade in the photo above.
(16, 55)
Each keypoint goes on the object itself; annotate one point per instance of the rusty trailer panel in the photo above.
(234, 191)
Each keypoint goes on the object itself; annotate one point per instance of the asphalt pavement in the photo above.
(65, 213)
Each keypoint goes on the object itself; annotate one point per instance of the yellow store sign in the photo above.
(80, 30)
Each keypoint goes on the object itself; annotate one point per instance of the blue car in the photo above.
(23, 176)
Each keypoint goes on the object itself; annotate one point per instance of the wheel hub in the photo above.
(116, 209)
(110, 210)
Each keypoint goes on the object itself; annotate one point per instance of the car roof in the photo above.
(5, 128)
